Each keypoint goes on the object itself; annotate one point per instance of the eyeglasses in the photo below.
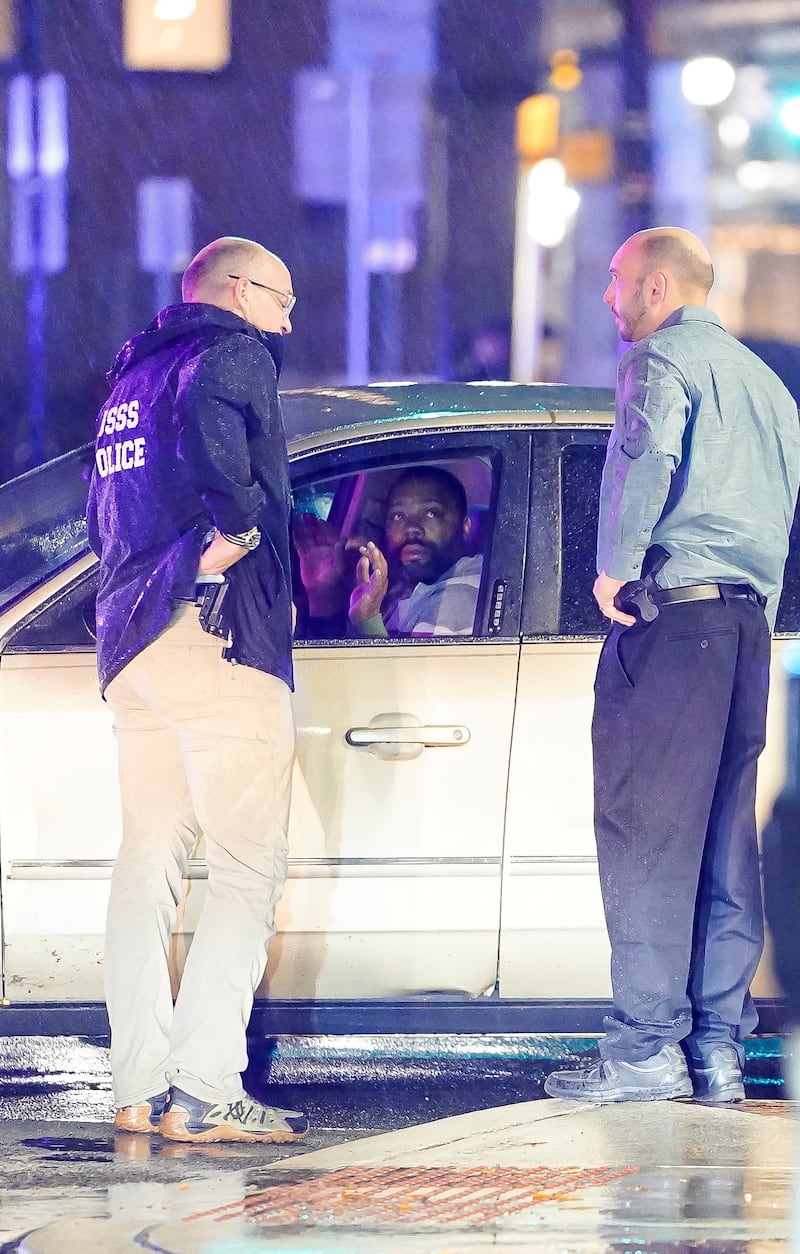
(287, 301)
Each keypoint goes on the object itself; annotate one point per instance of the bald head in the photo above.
(655, 273)
(243, 277)
(681, 255)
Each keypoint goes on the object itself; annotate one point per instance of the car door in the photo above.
(403, 750)
(398, 807)
(554, 943)
(59, 802)
(59, 825)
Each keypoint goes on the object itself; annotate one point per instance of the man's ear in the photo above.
(240, 293)
(467, 526)
(657, 286)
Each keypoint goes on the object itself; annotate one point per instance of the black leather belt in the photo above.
(708, 592)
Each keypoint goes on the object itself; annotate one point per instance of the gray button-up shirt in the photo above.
(703, 458)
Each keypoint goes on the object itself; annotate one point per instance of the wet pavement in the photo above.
(383, 1172)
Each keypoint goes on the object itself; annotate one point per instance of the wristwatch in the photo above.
(246, 539)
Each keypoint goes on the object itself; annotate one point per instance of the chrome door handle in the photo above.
(428, 737)
(404, 736)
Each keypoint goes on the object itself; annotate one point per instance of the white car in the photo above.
(442, 868)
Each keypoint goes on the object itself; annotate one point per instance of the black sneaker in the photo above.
(660, 1078)
(718, 1078)
(143, 1116)
(190, 1119)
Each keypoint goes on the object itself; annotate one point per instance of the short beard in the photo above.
(628, 332)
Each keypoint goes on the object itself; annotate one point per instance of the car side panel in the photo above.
(552, 941)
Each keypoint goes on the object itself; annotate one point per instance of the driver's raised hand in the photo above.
(372, 581)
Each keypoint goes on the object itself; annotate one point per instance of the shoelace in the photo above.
(597, 1072)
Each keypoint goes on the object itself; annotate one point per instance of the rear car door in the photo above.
(553, 940)
(554, 943)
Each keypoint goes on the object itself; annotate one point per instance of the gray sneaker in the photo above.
(719, 1077)
(189, 1118)
(660, 1078)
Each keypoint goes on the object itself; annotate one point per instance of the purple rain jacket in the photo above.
(191, 438)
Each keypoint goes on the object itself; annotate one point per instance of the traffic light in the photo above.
(176, 34)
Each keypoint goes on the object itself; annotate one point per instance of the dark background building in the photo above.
(230, 133)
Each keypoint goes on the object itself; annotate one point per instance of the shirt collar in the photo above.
(690, 313)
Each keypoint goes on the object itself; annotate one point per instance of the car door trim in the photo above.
(542, 864)
(101, 868)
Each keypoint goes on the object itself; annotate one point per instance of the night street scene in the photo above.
(399, 464)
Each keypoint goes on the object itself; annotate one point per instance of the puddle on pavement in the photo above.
(69, 1149)
(124, 1146)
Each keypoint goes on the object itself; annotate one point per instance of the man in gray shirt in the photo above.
(703, 460)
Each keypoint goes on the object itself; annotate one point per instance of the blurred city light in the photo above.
(179, 35)
(760, 176)
(733, 130)
(537, 124)
(53, 155)
(753, 95)
(707, 80)
(790, 115)
(754, 175)
(21, 142)
(565, 70)
(173, 10)
(551, 203)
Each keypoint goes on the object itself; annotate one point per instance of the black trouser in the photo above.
(679, 721)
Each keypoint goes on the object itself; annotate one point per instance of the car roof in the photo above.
(337, 415)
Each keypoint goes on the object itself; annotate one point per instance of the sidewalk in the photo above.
(654, 1178)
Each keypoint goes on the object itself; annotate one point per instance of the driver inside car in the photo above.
(421, 582)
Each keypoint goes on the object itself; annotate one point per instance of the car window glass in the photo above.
(431, 522)
(64, 624)
(581, 469)
(42, 522)
(789, 607)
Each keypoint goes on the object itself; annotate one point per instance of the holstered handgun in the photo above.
(215, 615)
(636, 596)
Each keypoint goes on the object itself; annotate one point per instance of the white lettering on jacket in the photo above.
(118, 418)
(126, 455)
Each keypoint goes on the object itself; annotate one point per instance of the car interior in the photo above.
(355, 505)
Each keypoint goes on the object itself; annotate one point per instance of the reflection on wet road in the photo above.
(354, 1082)
(424, 1145)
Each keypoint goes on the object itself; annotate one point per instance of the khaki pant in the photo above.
(205, 747)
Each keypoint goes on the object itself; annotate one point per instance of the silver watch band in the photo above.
(245, 539)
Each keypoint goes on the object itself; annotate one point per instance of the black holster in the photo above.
(636, 596)
(215, 617)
